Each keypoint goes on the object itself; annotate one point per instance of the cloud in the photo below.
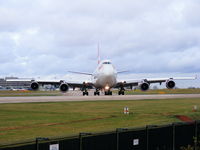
(50, 37)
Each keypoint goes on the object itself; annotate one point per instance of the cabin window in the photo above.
(106, 62)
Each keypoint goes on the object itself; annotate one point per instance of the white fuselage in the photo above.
(105, 76)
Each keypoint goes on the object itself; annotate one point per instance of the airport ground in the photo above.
(18, 93)
(23, 121)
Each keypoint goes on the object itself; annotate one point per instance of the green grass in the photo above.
(27, 121)
(163, 91)
(128, 92)
(29, 93)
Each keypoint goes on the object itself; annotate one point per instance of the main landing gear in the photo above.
(121, 91)
(97, 92)
(85, 92)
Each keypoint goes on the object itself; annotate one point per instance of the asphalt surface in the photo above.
(92, 98)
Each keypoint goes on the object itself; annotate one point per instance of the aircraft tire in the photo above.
(85, 93)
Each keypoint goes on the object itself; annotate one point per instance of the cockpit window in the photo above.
(106, 62)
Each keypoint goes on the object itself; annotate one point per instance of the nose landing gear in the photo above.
(108, 92)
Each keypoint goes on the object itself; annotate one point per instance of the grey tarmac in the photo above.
(92, 98)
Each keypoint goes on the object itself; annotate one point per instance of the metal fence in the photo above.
(174, 136)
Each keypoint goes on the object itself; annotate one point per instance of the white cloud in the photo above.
(50, 37)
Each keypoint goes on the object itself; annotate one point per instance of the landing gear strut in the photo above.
(121, 91)
(97, 92)
(84, 89)
(85, 92)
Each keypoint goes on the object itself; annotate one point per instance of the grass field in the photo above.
(128, 92)
(164, 91)
(27, 121)
(29, 93)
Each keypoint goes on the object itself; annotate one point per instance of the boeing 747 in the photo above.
(105, 78)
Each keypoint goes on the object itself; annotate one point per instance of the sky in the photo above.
(50, 37)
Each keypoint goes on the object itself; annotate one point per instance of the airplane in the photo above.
(105, 78)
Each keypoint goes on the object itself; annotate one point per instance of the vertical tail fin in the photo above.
(98, 54)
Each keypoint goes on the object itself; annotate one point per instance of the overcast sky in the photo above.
(50, 37)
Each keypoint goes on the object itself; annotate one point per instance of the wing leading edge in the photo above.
(62, 84)
(146, 82)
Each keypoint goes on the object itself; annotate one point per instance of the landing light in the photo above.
(107, 87)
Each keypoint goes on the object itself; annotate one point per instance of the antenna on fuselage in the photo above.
(98, 54)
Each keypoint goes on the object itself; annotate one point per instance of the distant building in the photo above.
(14, 84)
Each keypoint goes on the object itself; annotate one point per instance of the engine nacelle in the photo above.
(144, 86)
(34, 86)
(64, 87)
(170, 84)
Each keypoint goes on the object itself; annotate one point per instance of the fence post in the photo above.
(173, 125)
(118, 130)
(80, 138)
(196, 138)
(147, 134)
(40, 139)
(117, 134)
(147, 137)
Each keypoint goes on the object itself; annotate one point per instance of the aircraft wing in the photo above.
(76, 72)
(160, 80)
(34, 84)
(137, 82)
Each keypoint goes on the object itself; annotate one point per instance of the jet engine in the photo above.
(64, 87)
(170, 84)
(144, 86)
(34, 86)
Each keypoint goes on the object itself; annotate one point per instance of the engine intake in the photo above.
(34, 86)
(64, 87)
(144, 86)
(170, 84)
